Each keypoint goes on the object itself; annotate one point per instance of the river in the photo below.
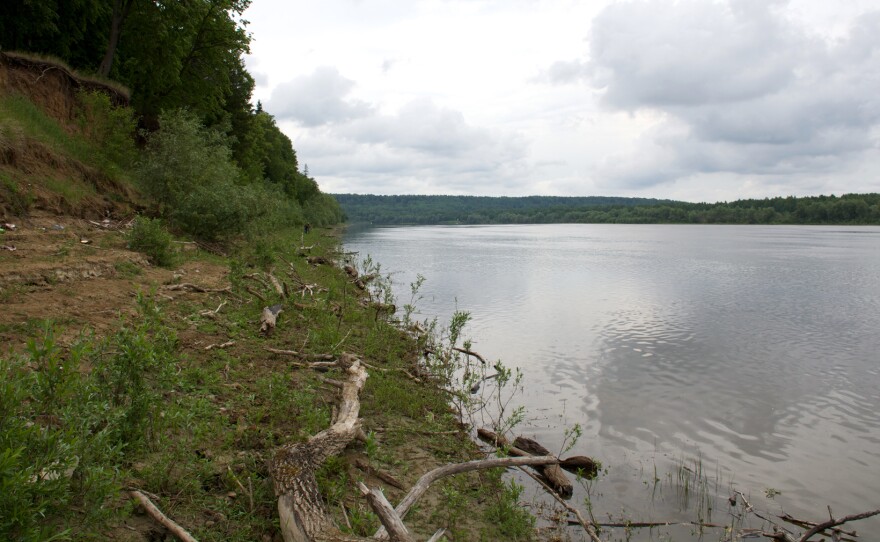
(748, 354)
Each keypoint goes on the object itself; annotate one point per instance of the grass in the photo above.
(143, 408)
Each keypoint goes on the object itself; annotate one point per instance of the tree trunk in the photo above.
(121, 9)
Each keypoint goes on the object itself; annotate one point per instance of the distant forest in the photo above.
(846, 209)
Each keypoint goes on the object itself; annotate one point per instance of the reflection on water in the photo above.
(753, 347)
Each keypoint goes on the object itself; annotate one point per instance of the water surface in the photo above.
(751, 348)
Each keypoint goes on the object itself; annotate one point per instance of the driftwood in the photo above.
(221, 346)
(303, 517)
(301, 510)
(157, 514)
(836, 522)
(269, 318)
(387, 515)
(448, 470)
(587, 525)
(552, 473)
(303, 355)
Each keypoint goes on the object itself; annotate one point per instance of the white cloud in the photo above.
(316, 99)
(421, 148)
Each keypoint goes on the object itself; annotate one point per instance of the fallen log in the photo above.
(580, 465)
(553, 474)
(300, 508)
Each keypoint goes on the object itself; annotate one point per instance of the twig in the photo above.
(157, 514)
(470, 353)
(835, 522)
(342, 341)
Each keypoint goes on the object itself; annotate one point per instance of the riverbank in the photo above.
(121, 375)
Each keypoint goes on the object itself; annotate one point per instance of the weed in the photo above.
(128, 269)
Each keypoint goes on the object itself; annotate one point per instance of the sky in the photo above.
(695, 100)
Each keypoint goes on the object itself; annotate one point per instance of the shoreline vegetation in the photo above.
(848, 209)
(182, 331)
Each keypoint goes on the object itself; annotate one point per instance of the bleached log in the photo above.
(387, 516)
(269, 318)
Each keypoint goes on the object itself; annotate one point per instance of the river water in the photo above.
(747, 352)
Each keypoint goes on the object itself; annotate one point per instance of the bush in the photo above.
(111, 129)
(184, 156)
(151, 238)
(67, 433)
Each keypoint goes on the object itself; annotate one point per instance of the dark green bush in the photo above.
(150, 237)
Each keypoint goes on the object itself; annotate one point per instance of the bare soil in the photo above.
(80, 275)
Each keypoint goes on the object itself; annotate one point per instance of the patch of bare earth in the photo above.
(78, 274)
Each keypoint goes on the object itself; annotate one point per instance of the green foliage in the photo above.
(111, 129)
(150, 237)
(65, 433)
(182, 157)
(19, 202)
(511, 520)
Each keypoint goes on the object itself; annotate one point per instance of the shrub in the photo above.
(111, 129)
(184, 156)
(151, 238)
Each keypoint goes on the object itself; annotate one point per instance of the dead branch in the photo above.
(432, 476)
(553, 474)
(301, 510)
(835, 522)
(470, 353)
(255, 293)
(809, 524)
(185, 286)
(303, 355)
(380, 474)
(277, 286)
(212, 313)
(157, 514)
(227, 344)
(389, 518)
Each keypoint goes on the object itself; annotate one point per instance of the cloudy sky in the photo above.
(697, 100)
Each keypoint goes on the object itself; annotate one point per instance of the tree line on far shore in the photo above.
(845, 209)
